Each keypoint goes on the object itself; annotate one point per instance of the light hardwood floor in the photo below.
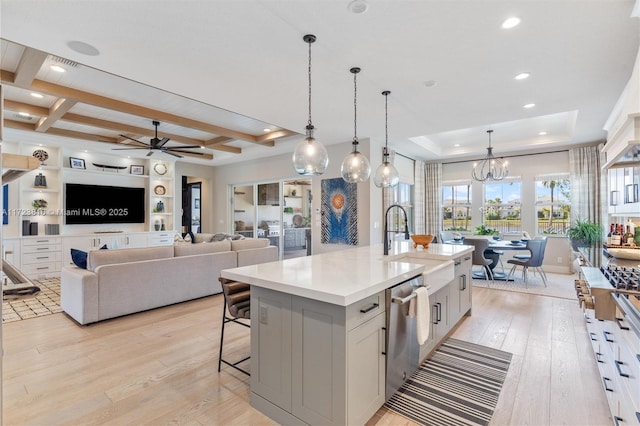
(160, 366)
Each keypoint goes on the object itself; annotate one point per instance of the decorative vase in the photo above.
(156, 225)
(160, 206)
(162, 228)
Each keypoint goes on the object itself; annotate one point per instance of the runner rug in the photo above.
(459, 385)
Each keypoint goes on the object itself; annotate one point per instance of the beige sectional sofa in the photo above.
(124, 281)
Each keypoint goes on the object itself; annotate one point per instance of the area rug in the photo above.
(558, 285)
(46, 302)
(459, 385)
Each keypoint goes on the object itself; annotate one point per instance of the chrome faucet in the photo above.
(386, 227)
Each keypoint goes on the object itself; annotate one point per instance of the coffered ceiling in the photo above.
(216, 73)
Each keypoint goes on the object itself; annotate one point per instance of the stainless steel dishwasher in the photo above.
(402, 347)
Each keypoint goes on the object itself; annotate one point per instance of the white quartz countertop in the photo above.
(346, 276)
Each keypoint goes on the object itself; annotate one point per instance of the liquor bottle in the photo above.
(616, 237)
(610, 234)
(628, 237)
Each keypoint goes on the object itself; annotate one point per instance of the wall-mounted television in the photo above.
(90, 204)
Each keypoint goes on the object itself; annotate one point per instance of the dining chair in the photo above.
(536, 248)
(526, 256)
(236, 307)
(479, 259)
(445, 236)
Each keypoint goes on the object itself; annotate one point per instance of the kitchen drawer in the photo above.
(462, 265)
(41, 248)
(162, 239)
(365, 309)
(48, 269)
(39, 241)
(628, 369)
(43, 257)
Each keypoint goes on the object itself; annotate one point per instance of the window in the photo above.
(456, 206)
(553, 208)
(502, 206)
(403, 195)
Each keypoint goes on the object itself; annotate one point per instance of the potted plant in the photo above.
(584, 233)
(483, 230)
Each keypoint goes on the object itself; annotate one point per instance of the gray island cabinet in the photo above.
(318, 327)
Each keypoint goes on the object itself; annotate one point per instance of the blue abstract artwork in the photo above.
(5, 203)
(339, 212)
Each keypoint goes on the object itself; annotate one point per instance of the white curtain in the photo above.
(587, 184)
(428, 203)
(432, 198)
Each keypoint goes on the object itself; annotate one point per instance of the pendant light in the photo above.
(490, 168)
(310, 157)
(355, 166)
(386, 174)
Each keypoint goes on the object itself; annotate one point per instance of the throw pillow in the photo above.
(178, 239)
(79, 258)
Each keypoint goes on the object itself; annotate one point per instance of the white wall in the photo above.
(273, 169)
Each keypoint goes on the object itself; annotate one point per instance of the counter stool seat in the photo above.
(237, 302)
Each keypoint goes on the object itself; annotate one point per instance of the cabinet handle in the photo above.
(435, 317)
(42, 257)
(42, 248)
(604, 382)
(43, 267)
(467, 258)
(464, 282)
(606, 336)
(439, 311)
(618, 364)
(593, 336)
(457, 262)
(598, 355)
(41, 241)
(384, 339)
(370, 308)
(622, 327)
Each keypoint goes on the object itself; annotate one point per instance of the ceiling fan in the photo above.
(159, 144)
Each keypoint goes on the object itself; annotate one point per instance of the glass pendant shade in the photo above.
(310, 157)
(355, 166)
(386, 174)
(490, 168)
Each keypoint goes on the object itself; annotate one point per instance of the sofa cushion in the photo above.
(107, 257)
(202, 238)
(204, 248)
(249, 243)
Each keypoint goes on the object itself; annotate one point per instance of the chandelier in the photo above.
(310, 157)
(386, 174)
(355, 166)
(490, 168)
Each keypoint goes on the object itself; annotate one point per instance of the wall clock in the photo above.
(160, 168)
(159, 190)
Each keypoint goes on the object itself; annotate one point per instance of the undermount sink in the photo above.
(437, 273)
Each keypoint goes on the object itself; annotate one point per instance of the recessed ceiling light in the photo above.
(37, 95)
(529, 105)
(542, 133)
(430, 83)
(511, 22)
(266, 130)
(358, 6)
(84, 48)
(522, 76)
(58, 68)
(456, 144)
(24, 114)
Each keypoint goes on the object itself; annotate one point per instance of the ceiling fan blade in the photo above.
(121, 149)
(161, 143)
(132, 139)
(170, 150)
(150, 153)
(183, 147)
(171, 153)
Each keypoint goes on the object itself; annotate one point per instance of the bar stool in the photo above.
(237, 297)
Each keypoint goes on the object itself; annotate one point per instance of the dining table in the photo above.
(495, 250)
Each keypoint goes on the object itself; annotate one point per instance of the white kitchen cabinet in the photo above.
(40, 257)
(317, 362)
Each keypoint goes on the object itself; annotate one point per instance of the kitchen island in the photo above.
(318, 338)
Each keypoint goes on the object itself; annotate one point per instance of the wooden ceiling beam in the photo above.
(30, 63)
(57, 111)
(271, 136)
(23, 107)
